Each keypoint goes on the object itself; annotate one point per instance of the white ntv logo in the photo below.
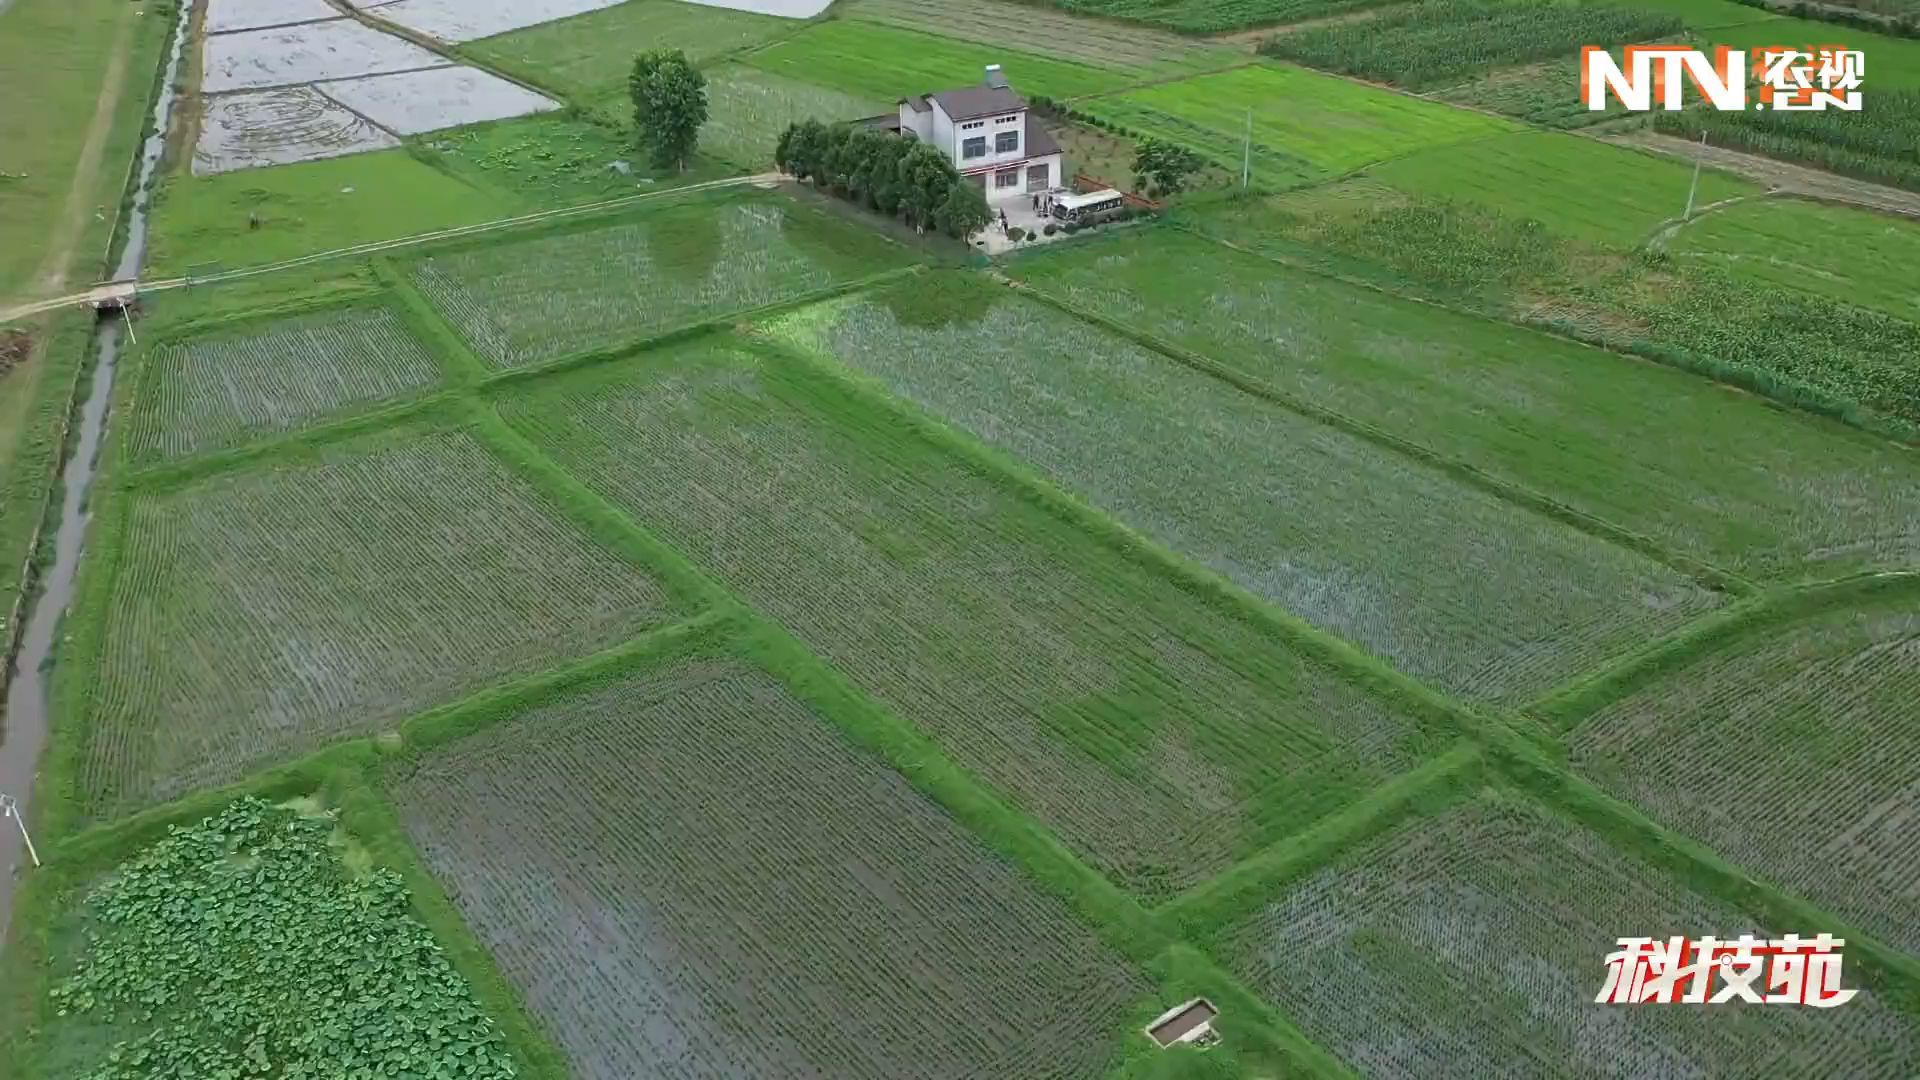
(1786, 78)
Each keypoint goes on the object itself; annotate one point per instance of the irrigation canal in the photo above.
(26, 718)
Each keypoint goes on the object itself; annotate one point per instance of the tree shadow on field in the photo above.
(686, 243)
(936, 302)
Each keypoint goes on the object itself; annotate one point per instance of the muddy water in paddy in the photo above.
(25, 724)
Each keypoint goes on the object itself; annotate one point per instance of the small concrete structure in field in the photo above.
(988, 132)
(1188, 1023)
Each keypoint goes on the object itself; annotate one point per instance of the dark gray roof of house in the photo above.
(885, 121)
(1038, 139)
(973, 101)
(918, 102)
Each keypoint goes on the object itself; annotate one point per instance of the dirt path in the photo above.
(1779, 175)
(52, 276)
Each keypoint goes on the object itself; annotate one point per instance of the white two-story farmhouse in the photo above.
(993, 139)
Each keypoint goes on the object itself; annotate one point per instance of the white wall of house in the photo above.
(1020, 179)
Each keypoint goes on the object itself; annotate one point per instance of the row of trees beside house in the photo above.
(902, 178)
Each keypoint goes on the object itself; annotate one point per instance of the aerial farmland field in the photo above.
(1834, 252)
(1160, 736)
(769, 946)
(1706, 472)
(599, 285)
(888, 63)
(253, 621)
(1445, 582)
(1305, 125)
(1373, 954)
(1831, 696)
(592, 604)
(220, 389)
(1575, 187)
(590, 55)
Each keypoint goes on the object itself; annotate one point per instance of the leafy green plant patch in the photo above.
(242, 946)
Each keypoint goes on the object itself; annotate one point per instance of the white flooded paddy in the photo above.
(470, 20)
(284, 81)
(226, 16)
(419, 101)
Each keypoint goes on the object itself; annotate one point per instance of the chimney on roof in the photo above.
(995, 77)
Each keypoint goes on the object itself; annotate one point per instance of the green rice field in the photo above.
(588, 57)
(1828, 808)
(887, 63)
(1702, 470)
(1469, 592)
(747, 109)
(1574, 186)
(1304, 125)
(1158, 736)
(1854, 256)
(822, 885)
(1473, 942)
(261, 615)
(592, 287)
(217, 390)
(1010, 25)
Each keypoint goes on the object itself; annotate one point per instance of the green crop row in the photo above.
(1439, 42)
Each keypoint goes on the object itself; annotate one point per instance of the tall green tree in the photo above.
(1161, 168)
(669, 105)
(963, 212)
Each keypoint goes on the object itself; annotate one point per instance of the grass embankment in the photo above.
(82, 76)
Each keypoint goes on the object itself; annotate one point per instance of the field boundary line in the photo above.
(1192, 973)
(1200, 912)
(457, 362)
(1304, 641)
(499, 378)
(1565, 707)
(1115, 916)
(1895, 974)
(450, 722)
(431, 408)
(1700, 571)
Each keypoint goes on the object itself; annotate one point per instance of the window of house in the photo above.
(1006, 142)
(974, 147)
(1006, 119)
(1006, 178)
(1038, 178)
(973, 126)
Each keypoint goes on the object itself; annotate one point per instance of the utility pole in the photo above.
(10, 807)
(1695, 186)
(1246, 152)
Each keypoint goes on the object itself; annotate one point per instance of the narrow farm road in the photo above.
(54, 268)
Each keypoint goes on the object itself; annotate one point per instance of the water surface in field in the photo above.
(25, 730)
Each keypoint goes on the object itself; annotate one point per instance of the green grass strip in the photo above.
(437, 409)
(460, 366)
(1711, 576)
(1563, 708)
(1201, 912)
